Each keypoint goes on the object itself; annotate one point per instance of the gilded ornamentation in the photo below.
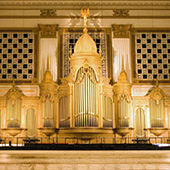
(48, 31)
(69, 37)
(157, 94)
(124, 96)
(13, 94)
(121, 31)
(48, 87)
(85, 15)
(48, 96)
(121, 12)
(48, 12)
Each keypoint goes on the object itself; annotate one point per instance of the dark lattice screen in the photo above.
(152, 56)
(16, 55)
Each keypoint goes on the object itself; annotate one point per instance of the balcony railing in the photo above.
(21, 141)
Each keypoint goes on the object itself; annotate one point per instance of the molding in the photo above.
(69, 4)
(121, 31)
(75, 17)
(48, 31)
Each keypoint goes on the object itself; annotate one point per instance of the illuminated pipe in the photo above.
(84, 101)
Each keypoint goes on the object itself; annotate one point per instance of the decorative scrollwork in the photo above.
(121, 12)
(48, 12)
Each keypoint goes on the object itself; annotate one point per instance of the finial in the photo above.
(13, 83)
(48, 62)
(157, 82)
(123, 69)
(85, 14)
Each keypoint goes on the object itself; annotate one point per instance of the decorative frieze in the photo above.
(48, 31)
(48, 12)
(121, 12)
(121, 31)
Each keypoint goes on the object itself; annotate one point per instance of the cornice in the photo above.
(75, 17)
(77, 4)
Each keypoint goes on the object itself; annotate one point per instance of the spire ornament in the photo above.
(123, 67)
(13, 83)
(157, 82)
(48, 63)
(85, 15)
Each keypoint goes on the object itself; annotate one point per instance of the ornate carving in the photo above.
(13, 94)
(157, 94)
(47, 95)
(48, 31)
(121, 31)
(124, 96)
(121, 12)
(48, 12)
(85, 15)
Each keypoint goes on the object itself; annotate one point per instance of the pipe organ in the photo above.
(84, 102)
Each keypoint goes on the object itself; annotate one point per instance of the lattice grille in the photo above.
(70, 40)
(16, 55)
(152, 56)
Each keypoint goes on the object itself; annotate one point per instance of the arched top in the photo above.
(140, 108)
(156, 94)
(14, 94)
(30, 109)
(86, 70)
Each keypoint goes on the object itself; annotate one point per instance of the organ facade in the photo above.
(99, 82)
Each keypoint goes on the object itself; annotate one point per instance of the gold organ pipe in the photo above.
(80, 103)
(93, 105)
(75, 103)
(88, 99)
(85, 98)
(84, 101)
(87, 91)
(90, 102)
(89, 116)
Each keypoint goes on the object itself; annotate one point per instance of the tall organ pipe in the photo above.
(85, 98)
